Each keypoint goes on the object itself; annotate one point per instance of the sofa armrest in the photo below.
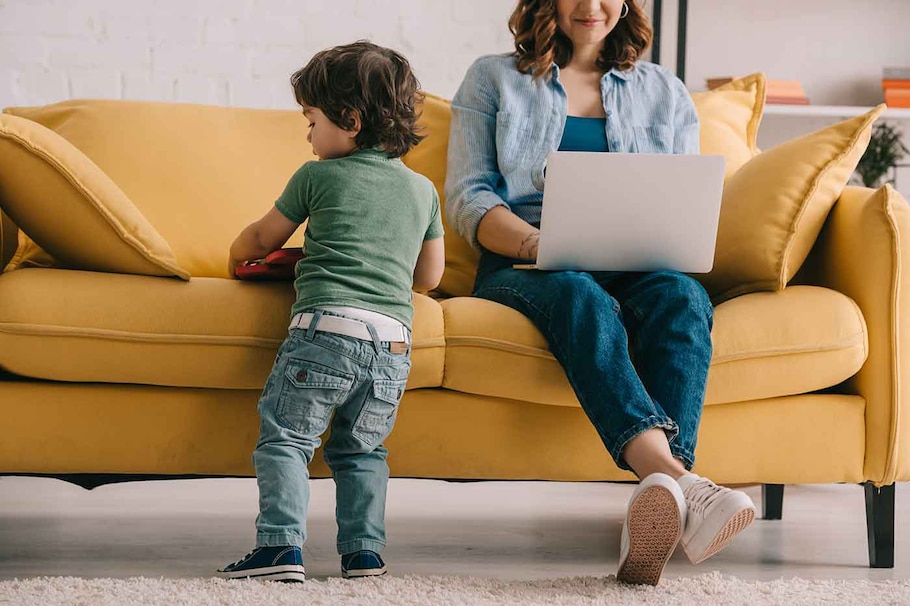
(9, 240)
(864, 252)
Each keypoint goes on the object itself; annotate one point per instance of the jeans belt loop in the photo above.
(374, 335)
(311, 329)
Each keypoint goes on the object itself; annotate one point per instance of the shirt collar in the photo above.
(621, 75)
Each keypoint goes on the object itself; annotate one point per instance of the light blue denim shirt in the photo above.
(505, 123)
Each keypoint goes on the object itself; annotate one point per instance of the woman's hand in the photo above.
(502, 232)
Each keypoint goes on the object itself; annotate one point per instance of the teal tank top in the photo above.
(584, 134)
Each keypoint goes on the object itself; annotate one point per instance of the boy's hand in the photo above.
(266, 235)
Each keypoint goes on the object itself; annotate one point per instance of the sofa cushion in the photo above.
(729, 117)
(774, 207)
(208, 332)
(198, 173)
(766, 345)
(73, 209)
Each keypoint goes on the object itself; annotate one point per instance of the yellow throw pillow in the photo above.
(198, 173)
(729, 117)
(29, 254)
(774, 207)
(429, 159)
(72, 209)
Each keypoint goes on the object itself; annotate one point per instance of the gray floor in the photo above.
(510, 530)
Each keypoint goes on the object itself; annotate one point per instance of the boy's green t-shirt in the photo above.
(368, 218)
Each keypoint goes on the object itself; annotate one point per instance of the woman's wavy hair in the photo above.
(539, 42)
(366, 81)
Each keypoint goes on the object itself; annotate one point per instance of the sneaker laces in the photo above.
(243, 559)
(702, 493)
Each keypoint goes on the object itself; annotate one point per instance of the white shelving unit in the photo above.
(784, 122)
(831, 111)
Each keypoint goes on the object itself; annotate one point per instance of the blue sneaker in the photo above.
(268, 564)
(362, 563)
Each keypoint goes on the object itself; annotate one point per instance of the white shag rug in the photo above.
(702, 590)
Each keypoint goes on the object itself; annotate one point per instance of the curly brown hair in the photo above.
(539, 42)
(367, 82)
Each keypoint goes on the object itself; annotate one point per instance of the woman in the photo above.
(635, 346)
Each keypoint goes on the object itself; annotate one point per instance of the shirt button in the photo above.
(609, 113)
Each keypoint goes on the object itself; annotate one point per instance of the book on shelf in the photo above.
(896, 84)
(785, 88)
(780, 92)
(713, 83)
(785, 92)
(897, 97)
(896, 73)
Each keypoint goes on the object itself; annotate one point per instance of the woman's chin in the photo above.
(588, 37)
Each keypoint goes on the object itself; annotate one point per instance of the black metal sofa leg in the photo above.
(772, 496)
(880, 525)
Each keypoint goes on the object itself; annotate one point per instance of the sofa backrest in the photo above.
(199, 174)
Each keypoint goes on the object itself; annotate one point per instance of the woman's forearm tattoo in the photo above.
(528, 247)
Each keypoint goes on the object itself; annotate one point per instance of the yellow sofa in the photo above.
(127, 372)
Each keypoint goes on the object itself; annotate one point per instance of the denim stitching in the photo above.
(680, 453)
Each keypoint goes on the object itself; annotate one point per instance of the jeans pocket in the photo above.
(374, 424)
(309, 394)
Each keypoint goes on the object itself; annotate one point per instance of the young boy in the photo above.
(374, 233)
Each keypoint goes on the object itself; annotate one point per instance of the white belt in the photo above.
(351, 328)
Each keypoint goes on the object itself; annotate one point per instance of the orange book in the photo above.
(896, 97)
(716, 82)
(898, 84)
(785, 88)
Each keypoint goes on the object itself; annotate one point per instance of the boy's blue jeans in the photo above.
(317, 374)
(635, 346)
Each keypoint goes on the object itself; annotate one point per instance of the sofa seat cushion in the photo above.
(766, 345)
(208, 332)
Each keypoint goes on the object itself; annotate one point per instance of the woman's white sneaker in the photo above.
(653, 526)
(715, 515)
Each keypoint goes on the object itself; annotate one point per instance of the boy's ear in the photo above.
(353, 122)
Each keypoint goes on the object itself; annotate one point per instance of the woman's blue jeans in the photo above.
(635, 346)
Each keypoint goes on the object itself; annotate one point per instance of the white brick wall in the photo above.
(226, 52)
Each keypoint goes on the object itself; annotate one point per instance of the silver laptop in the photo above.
(629, 212)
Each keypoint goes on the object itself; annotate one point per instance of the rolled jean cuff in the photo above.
(283, 539)
(356, 545)
(687, 458)
(651, 422)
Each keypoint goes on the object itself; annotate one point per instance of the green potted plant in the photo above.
(884, 152)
